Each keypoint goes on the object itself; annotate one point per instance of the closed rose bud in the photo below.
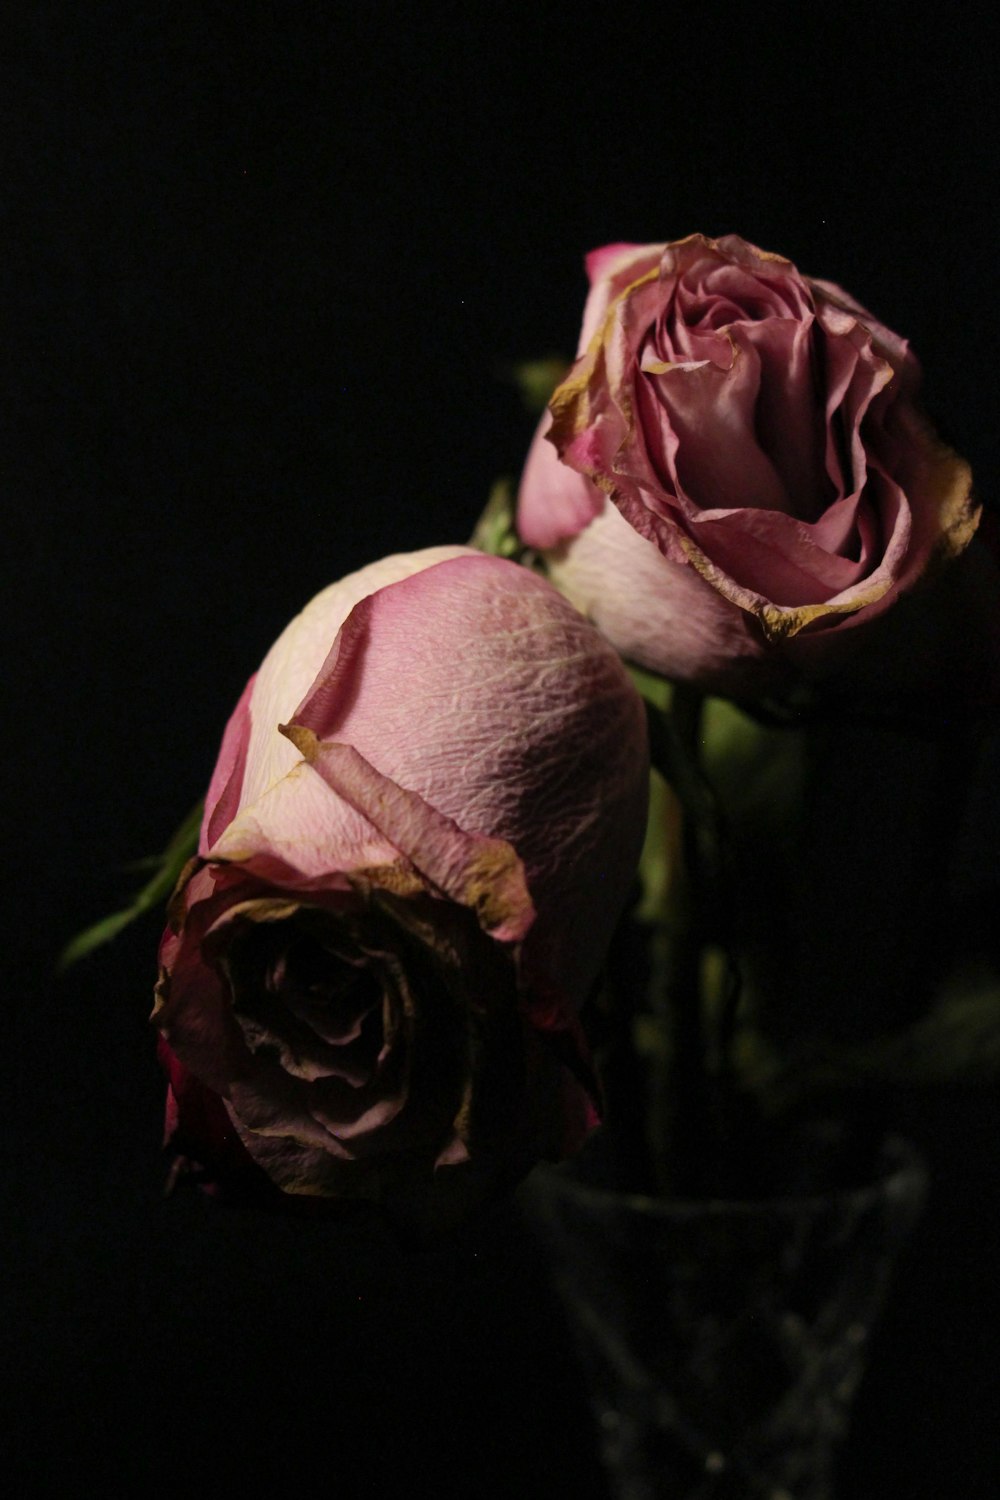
(425, 816)
(735, 475)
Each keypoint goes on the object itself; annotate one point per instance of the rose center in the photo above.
(299, 992)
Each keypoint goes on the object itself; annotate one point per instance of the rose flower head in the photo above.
(735, 474)
(424, 820)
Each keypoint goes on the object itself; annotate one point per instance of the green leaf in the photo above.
(757, 770)
(958, 1041)
(167, 867)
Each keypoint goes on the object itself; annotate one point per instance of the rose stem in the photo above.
(701, 1042)
(681, 1113)
(626, 976)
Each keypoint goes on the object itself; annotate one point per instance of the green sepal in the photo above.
(495, 532)
(536, 379)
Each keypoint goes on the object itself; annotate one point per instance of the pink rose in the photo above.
(773, 484)
(425, 816)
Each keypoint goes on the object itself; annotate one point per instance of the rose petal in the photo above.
(297, 834)
(477, 730)
(481, 873)
(226, 785)
(299, 653)
(666, 604)
(557, 502)
(610, 270)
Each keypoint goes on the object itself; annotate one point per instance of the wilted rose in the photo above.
(424, 819)
(735, 474)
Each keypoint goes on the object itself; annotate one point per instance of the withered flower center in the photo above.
(303, 992)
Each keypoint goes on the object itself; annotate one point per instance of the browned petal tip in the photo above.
(496, 891)
(302, 738)
(159, 996)
(960, 509)
(398, 878)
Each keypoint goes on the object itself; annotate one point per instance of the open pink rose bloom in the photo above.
(423, 823)
(735, 474)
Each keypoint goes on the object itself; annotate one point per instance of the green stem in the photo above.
(690, 1109)
(694, 1104)
(622, 1071)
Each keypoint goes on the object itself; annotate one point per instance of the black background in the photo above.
(265, 267)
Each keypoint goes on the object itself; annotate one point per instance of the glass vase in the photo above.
(723, 1341)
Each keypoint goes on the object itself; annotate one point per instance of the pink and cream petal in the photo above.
(297, 832)
(667, 605)
(482, 873)
(293, 662)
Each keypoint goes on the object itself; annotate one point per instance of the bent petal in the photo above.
(482, 873)
(296, 833)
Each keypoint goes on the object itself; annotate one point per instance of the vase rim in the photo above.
(900, 1171)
